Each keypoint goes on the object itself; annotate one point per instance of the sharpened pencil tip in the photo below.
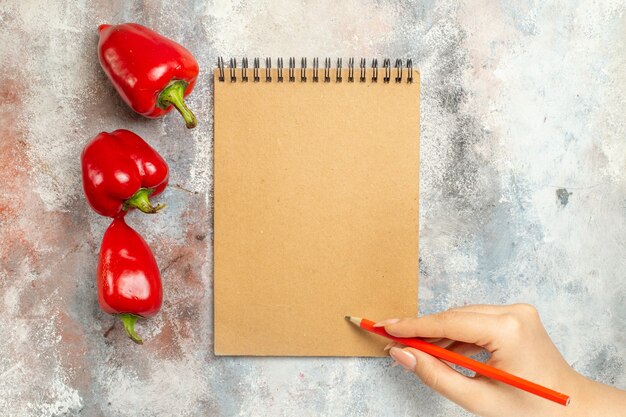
(347, 318)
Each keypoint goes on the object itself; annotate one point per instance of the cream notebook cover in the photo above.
(316, 206)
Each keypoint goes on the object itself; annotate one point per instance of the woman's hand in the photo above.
(518, 343)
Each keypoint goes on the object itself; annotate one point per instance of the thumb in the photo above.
(469, 393)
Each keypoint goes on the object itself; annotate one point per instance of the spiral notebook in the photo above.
(316, 179)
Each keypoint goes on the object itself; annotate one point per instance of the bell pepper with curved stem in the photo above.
(120, 171)
(128, 278)
(151, 73)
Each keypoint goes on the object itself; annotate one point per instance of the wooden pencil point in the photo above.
(354, 320)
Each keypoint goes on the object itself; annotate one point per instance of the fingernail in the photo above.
(403, 357)
(386, 322)
(389, 345)
(394, 364)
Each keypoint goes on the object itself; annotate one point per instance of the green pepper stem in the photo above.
(129, 325)
(142, 202)
(173, 94)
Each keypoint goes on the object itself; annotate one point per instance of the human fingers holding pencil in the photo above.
(517, 343)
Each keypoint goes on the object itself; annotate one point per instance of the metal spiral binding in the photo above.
(303, 70)
(233, 70)
(351, 70)
(280, 70)
(316, 68)
(409, 66)
(220, 65)
(291, 71)
(398, 70)
(374, 70)
(256, 70)
(338, 76)
(386, 66)
(244, 70)
(327, 70)
(363, 63)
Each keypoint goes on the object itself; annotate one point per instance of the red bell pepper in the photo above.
(120, 171)
(129, 282)
(151, 72)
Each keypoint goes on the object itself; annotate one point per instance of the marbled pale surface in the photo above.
(523, 197)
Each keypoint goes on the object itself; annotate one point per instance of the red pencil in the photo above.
(465, 362)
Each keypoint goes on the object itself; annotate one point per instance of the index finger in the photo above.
(464, 326)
